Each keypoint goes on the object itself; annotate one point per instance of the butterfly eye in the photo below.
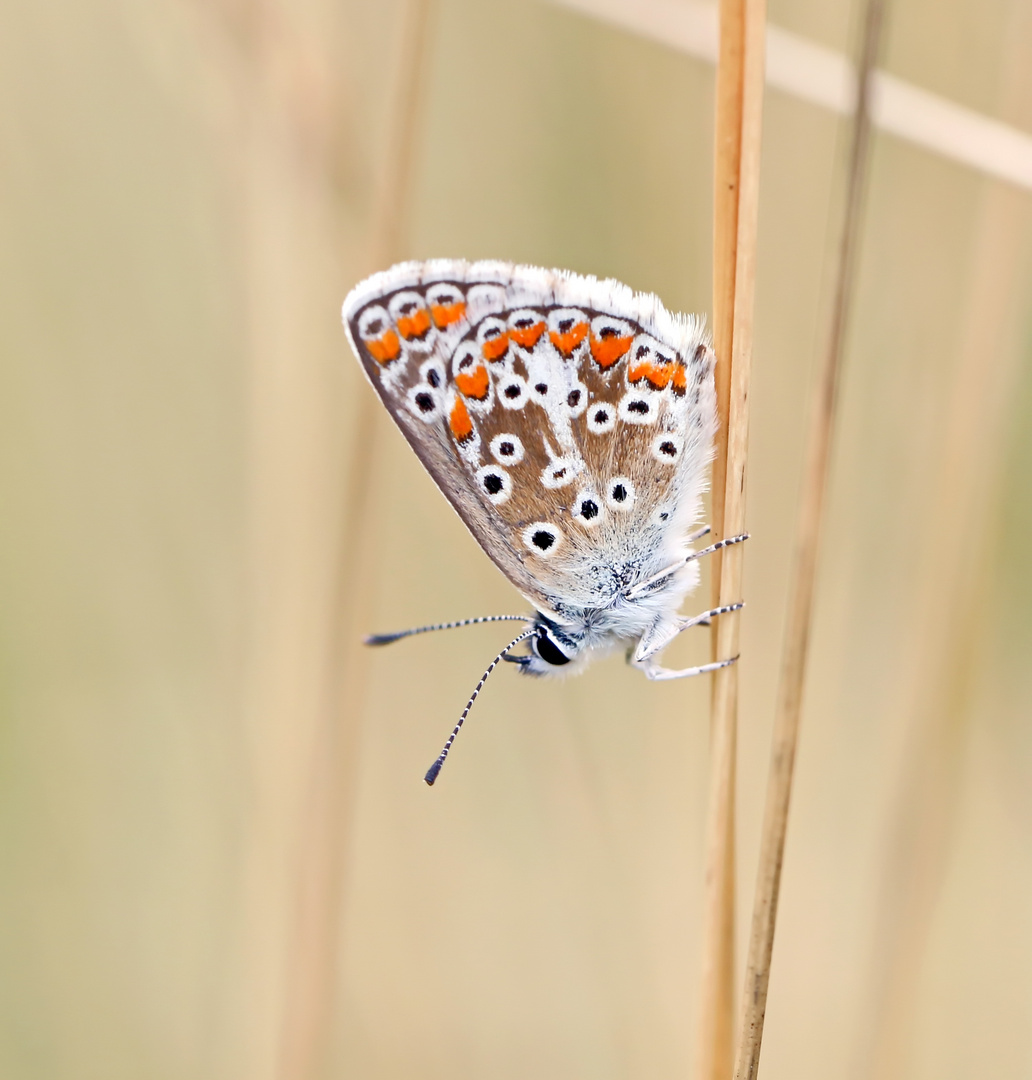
(547, 649)
(507, 449)
(543, 538)
(620, 494)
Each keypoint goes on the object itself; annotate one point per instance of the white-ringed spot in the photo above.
(495, 483)
(662, 515)
(512, 392)
(601, 417)
(432, 374)
(577, 399)
(667, 447)
(620, 494)
(587, 509)
(560, 472)
(507, 449)
(465, 359)
(543, 539)
(408, 309)
(637, 408)
(424, 403)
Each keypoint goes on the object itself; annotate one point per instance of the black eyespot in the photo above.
(543, 540)
(663, 515)
(407, 309)
(663, 359)
(541, 388)
(465, 361)
(564, 325)
(589, 509)
(549, 651)
(375, 328)
(425, 402)
(512, 391)
(667, 448)
(619, 493)
(522, 324)
(492, 483)
(433, 378)
(573, 399)
(643, 350)
(638, 407)
(601, 416)
(559, 474)
(506, 449)
(608, 332)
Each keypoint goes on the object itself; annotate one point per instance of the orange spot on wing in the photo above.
(459, 421)
(568, 341)
(385, 348)
(658, 375)
(446, 314)
(414, 326)
(495, 347)
(680, 379)
(473, 384)
(605, 351)
(527, 336)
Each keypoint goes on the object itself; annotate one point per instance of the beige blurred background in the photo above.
(217, 855)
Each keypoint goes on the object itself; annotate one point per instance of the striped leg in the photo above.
(661, 674)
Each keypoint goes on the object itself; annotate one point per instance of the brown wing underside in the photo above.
(569, 439)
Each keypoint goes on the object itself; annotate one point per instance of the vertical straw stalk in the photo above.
(800, 603)
(740, 74)
(311, 962)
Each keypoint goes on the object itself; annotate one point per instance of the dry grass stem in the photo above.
(736, 192)
(311, 962)
(793, 670)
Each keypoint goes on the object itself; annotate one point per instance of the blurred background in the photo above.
(217, 855)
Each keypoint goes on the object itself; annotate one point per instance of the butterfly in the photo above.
(569, 421)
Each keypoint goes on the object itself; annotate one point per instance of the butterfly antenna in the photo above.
(431, 773)
(386, 639)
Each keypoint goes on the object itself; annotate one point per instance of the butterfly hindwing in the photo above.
(567, 420)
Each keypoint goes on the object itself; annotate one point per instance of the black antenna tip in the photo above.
(381, 639)
(431, 773)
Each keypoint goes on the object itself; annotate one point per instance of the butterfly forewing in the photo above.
(568, 420)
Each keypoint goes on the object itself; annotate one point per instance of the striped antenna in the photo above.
(431, 773)
(386, 639)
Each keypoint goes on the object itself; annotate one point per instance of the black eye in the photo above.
(573, 399)
(619, 493)
(549, 651)
(601, 416)
(433, 378)
(638, 407)
(425, 402)
(493, 483)
(512, 391)
(589, 509)
(541, 388)
(506, 449)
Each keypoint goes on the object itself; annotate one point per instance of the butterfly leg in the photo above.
(660, 674)
(662, 632)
